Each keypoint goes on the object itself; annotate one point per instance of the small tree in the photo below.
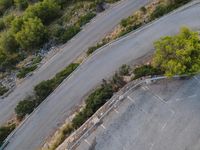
(179, 54)
(5, 131)
(25, 107)
(32, 34)
(21, 4)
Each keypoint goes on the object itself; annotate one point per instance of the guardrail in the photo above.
(84, 131)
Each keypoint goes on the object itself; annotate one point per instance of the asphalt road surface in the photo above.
(92, 33)
(103, 64)
(161, 116)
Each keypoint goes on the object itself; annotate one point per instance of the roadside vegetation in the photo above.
(5, 131)
(26, 26)
(141, 17)
(92, 103)
(3, 89)
(41, 92)
(179, 54)
(174, 55)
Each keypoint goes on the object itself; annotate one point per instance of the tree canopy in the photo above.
(32, 34)
(46, 10)
(179, 54)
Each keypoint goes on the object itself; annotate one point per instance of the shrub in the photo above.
(24, 71)
(93, 103)
(47, 11)
(94, 48)
(59, 77)
(179, 54)
(85, 19)
(5, 131)
(43, 89)
(32, 35)
(69, 33)
(146, 70)
(3, 90)
(124, 70)
(25, 107)
(21, 4)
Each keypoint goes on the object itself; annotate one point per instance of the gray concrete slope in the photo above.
(161, 116)
(92, 33)
(43, 122)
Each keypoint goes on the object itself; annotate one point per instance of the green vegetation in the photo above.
(3, 90)
(179, 54)
(5, 131)
(42, 90)
(27, 25)
(146, 70)
(25, 70)
(93, 102)
(86, 18)
(93, 48)
(164, 9)
(25, 107)
(32, 34)
(136, 21)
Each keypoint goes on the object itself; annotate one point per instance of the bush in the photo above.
(85, 19)
(5, 4)
(69, 33)
(159, 11)
(93, 103)
(21, 4)
(94, 48)
(32, 35)
(8, 43)
(124, 70)
(24, 71)
(3, 90)
(179, 54)
(59, 77)
(43, 89)
(5, 131)
(47, 11)
(2, 25)
(25, 107)
(146, 70)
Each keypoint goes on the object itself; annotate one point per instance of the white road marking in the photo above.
(159, 98)
(130, 99)
(116, 111)
(163, 127)
(87, 142)
(103, 126)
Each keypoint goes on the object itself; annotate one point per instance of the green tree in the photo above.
(8, 20)
(21, 4)
(179, 54)
(25, 107)
(5, 131)
(43, 89)
(8, 43)
(5, 4)
(16, 24)
(32, 34)
(46, 10)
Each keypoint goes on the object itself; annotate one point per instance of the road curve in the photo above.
(92, 33)
(43, 122)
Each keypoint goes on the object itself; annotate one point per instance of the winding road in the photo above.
(45, 120)
(92, 33)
